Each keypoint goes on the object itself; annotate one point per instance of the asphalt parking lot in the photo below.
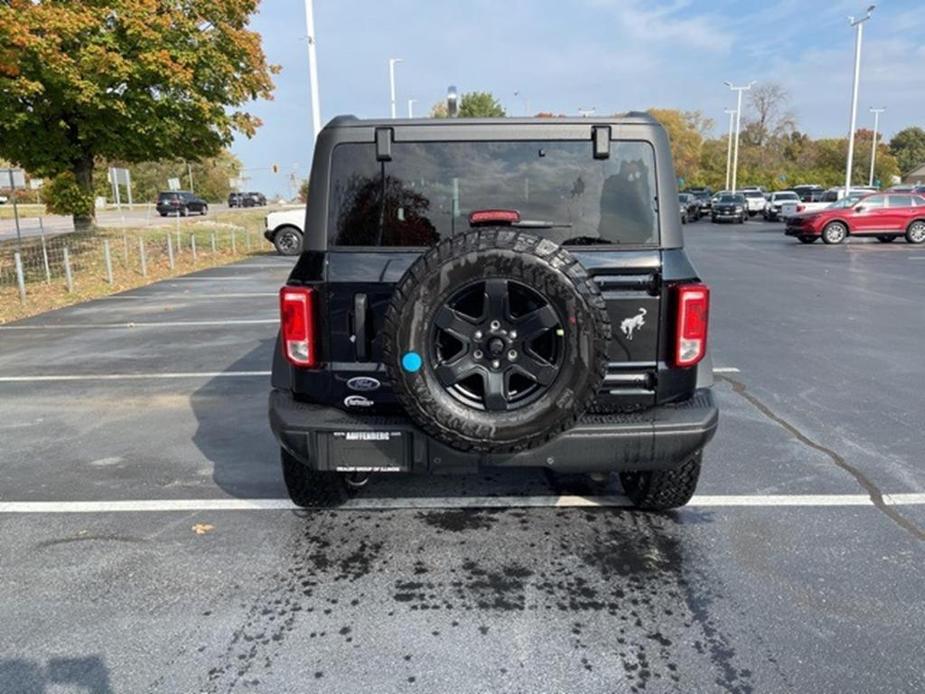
(146, 545)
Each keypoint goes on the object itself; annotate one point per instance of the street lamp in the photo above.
(731, 112)
(392, 62)
(312, 67)
(873, 147)
(411, 107)
(859, 24)
(735, 155)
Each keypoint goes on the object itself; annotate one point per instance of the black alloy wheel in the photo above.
(498, 345)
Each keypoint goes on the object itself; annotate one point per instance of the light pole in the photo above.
(392, 62)
(731, 112)
(859, 24)
(873, 147)
(312, 67)
(735, 154)
(411, 108)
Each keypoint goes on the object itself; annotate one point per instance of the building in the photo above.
(917, 175)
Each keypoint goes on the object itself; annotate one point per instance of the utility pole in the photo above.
(189, 170)
(411, 107)
(873, 147)
(312, 68)
(731, 112)
(735, 154)
(859, 25)
(392, 62)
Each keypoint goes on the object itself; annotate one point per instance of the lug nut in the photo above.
(495, 325)
(478, 354)
(478, 335)
(512, 355)
(513, 335)
(496, 364)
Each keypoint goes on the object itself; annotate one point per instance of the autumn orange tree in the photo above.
(126, 80)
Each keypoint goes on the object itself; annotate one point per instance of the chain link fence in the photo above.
(48, 271)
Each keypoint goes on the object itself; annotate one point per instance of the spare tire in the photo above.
(495, 340)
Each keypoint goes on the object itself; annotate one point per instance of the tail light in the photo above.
(693, 312)
(479, 217)
(297, 320)
(800, 208)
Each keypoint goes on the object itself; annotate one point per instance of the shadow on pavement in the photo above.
(86, 674)
(233, 431)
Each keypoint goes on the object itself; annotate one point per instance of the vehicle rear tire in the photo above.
(288, 241)
(496, 340)
(834, 233)
(741, 219)
(310, 488)
(660, 490)
(807, 239)
(916, 232)
(204, 211)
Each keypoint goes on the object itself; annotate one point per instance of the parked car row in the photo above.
(247, 200)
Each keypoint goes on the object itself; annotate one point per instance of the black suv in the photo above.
(235, 199)
(497, 292)
(180, 202)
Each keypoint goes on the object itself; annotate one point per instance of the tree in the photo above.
(685, 133)
(770, 118)
(908, 146)
(303, 191)
(480, 105)
(472, 105)
(210, 176)
(127, 80)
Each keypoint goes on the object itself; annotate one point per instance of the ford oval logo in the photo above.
(363, 384)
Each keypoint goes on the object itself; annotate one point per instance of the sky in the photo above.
(562, 55)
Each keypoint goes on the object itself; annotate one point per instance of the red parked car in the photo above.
(885, 216)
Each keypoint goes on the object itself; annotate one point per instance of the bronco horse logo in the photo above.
(630, 325)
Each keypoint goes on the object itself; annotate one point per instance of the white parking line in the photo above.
(176, 297)
(143, 324)
(373, 504)
(726, 370)
(223, 278)
(132, 377)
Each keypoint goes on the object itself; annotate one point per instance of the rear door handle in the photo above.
(359, 326)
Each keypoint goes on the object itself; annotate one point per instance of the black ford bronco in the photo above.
(498, 292)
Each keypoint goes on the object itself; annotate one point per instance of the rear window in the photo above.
(786, 196)
(167, 196)
(753, 194)
(428, 189)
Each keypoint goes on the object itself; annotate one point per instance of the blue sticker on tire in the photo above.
(411, 362)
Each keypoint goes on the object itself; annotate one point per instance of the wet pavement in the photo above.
(410, 592)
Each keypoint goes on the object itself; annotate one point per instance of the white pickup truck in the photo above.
(833, 195)
(285, 230)
(780, 205)
(754, 201)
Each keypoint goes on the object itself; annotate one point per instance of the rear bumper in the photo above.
(327, 438)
